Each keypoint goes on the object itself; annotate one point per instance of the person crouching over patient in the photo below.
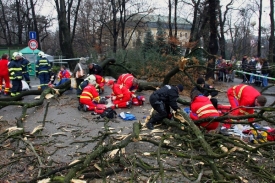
(129, 81)
(100, 81)
(201, 107)
(207, 91)
(89, 98)
(121, 96)
(161, 100)
(243, 99)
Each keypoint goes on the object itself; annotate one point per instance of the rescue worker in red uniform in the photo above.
(89, 98)
(121, 96)
(246, 96)
(207, 90)
(202, 107)
(89, 80)
(100, 81)
(129, 81)
(4, 74)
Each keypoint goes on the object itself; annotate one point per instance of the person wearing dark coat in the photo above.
(161, 100)
(252, 68)
(43, 69)
(245, 68)
(95, 69)
(265, 72)
(207, 91)
(26, 68)
(16, 75)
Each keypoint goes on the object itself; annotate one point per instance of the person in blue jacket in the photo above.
(15, 71)
(43, 69)
(26, 68)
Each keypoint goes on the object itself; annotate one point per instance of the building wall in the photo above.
(183, 32)
(183, 36)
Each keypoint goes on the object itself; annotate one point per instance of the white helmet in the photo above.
(91, 78)
(15, 54)
(20, 54)
(41, 54)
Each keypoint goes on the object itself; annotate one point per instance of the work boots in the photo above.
(150, 125)
(129, 104)
(79, 107)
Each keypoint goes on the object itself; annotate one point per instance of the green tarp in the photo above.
(27, 50)
(31, 55)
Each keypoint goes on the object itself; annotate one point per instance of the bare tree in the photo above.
(67, 14)
(18, 17)
(198, 24)
(260, 6)
(169, 18)
(124, 14)
(271, 55)
(5, 25)
(213, 41)
(35, 22)
(175, 19)
(222, 20)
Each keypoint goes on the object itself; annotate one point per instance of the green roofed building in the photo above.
(151, 22)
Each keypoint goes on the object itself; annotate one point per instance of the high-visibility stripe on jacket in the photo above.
(126, 80)
(119, 91)
(239, 94)
(242, 95)
(26, 65)
(201, 107)
(43, 65)
(100, 80)
(90, 92)
(15, 70)
(80, 88)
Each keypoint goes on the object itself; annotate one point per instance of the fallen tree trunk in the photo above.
(177, 148)
(11, 101)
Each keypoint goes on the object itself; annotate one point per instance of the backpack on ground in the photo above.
(109, 113)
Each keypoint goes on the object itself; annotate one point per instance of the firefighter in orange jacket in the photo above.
(100, 81)
(89, 98)
(129, 81)
(202, 107)
(121, 96)
(246, 96)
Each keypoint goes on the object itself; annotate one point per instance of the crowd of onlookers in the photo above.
(255, 70)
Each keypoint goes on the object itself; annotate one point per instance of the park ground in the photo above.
(67, 129)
